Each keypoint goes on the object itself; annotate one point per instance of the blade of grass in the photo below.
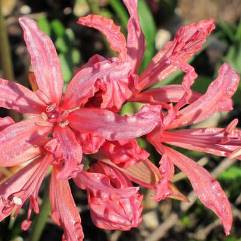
(41, 220)
(121, 13)
(149, 29)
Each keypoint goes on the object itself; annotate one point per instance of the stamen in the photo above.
(44, 116)
(18, 201)
(63, 123)
(51, 107)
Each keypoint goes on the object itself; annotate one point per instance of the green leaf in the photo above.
(58, 28)
(75, 56)
(44, 25)
(231, 174)
(66, 65)
(228, 29)
(61, 45)
(121, 13)
(238, 32)
(149, 29)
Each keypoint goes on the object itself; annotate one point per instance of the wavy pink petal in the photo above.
(109, 77)
(210, 140)
(188, 81)
(205, 186)
(123, 153)
(165, 94)
(90, 142)
(167, 172)
(164, 188)
(83, 84)
(23, 185)
(98, 182)
(44, 60)
(112, 126)
(64, 210)
(5, 122)
(187, 42)
(216, 101)
(68, 152)
(17, 97)
(116, 86)
(20, 142)
(110, 30)
(135, 37)
(114, 212)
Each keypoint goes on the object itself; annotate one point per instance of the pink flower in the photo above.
(110, 210)
(217, 141)
(56, 131)
(190, 108)
(120, 80)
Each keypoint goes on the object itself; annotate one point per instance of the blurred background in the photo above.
(168, 220)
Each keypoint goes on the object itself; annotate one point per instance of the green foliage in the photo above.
(64, 41)
(231, 174)
(120, 12)
(231, 238)
(231, 35)
(149, 29)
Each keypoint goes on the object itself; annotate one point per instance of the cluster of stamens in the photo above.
(54, 115)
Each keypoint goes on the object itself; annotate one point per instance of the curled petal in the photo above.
(5, 122)
(188, 80)
(162, 95)
(167, 171)
(187, 42)
(205, 186)
(64, 210)
(135, 38)
(83, 84)
(110, 30)
(165, 188)
(17, 97)
(226, 84)
(20, 142)
(68, 152)
(44, 60)
(116, 87)
(109, 78)
(90, 142)
(23, 185)
(112, 126)
(108, 212)
(210, 140)
(143, 172)
(123, 153)
(98, 182)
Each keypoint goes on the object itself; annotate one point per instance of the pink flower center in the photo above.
(54, 114)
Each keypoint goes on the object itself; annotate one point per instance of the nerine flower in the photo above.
(217, 141)
(57, 128)
(120, 80)
(190, 108)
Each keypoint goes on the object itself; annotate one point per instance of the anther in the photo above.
(63, 123)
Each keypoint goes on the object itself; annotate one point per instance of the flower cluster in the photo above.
(59, 128)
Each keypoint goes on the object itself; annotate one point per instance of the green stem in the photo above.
(41, 220)
(94, 6)
(5, 56)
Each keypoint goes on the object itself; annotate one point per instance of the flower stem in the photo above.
(5, 56)
(41, 220)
